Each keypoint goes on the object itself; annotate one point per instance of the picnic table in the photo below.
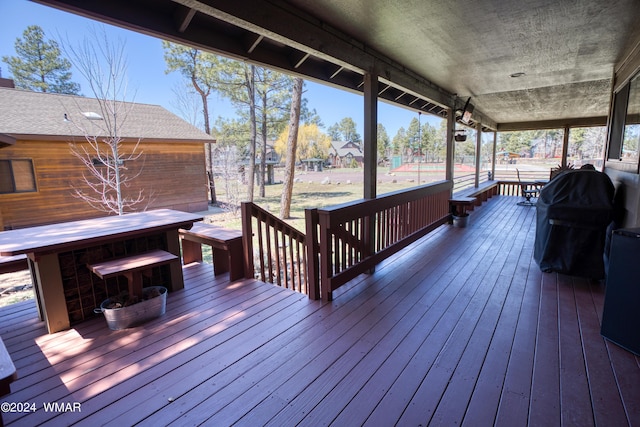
(59, 251)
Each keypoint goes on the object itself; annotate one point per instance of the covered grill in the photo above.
(573, 212)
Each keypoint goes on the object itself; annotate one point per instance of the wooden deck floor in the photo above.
(460, 328)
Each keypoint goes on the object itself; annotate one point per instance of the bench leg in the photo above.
(221, 260)
(134, 281)
(191, 252)
(175, 267)
(236, 261)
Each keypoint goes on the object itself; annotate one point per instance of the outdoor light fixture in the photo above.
(460, 135)
(467, 111)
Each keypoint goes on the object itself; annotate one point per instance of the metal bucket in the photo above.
(460, 221)
(136, 314)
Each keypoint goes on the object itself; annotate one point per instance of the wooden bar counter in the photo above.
(58, 254)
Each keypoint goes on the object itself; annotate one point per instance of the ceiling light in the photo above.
(516, 75)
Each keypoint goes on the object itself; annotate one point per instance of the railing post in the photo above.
(247, 239)
(326, 262)
(369, 239)
(313, 255)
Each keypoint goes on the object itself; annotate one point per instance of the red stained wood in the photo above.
(459, 328)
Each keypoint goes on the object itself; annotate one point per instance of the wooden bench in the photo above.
(133, 267)
(226, 246)
(483, 192)
(11, 264)
(459, 205)
(8, 373)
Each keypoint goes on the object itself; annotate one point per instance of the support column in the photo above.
(565, 146)
(370, 134)
(52, 303)
(451, 122)
(478, 152)
(370, 155)
(493, 155)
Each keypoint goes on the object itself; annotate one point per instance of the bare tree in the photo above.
(186, 102)
(109, 168)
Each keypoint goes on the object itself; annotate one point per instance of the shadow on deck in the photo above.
(459, 328)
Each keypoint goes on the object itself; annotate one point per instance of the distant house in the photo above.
(38, 170)
(272, 155)
(343, 154)
(229, 164)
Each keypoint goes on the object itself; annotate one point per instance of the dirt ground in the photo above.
(15, 287)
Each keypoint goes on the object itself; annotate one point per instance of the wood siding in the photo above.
(173, 175)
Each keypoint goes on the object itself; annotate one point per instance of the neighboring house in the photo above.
(342, 154)
(228, 164)
(272, 154)
(38, 170)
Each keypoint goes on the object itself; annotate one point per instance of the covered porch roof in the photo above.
(523, 64)
(460, 328)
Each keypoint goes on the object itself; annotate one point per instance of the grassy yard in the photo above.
(345, 185)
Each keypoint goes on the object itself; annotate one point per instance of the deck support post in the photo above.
(565, 145)
(493, 155)
(370, 134)
(451, 122)
(370, 153)
(478, 152)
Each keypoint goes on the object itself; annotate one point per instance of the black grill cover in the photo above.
(573, 212)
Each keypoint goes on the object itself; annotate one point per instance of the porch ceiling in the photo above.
(430, 55)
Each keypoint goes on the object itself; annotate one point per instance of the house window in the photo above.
(17, 176)
(631, 136)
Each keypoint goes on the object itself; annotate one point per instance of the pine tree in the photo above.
(39, 65)
(292, 141)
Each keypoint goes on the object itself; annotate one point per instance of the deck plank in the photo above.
(607, 405)
(574, 389)
(459, 328)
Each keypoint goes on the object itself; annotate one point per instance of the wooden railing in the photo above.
(275, 252)
(466, 181)
(525, 175)
(354, 237)
(514, 188)
(463, 181)
(343, 241)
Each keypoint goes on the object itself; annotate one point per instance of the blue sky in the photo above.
(146, 68)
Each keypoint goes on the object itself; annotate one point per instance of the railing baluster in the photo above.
(281, 250)
(261, 247)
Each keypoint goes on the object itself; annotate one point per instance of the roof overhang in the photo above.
(428, 56)
(6, 140)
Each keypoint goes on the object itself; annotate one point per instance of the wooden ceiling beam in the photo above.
(184, 19)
